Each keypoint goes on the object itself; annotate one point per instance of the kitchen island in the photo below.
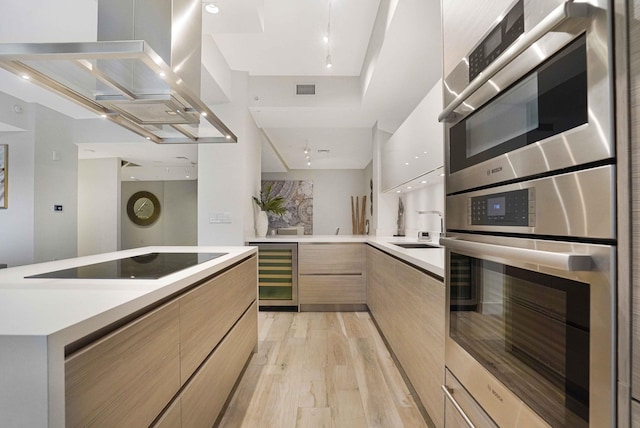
(51, 329)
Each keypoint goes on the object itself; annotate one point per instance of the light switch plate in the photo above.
(220, 217)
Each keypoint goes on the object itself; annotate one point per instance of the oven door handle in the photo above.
(567, 10)
(563, 261)
(448, 392)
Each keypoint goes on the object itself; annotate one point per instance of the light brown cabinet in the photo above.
(332, 276)
(172, 417)
(409, 307)
(331, 259)
(210, 310)
(129, 376)
(205, 395)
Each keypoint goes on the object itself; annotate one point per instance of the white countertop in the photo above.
(72, 308)
(431, 259)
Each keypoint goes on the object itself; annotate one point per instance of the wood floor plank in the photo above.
(319, 417)
(326, 369)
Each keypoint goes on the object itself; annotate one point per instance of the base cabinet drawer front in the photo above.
(635, 414)
(172, 417)
(460, 406)
(409, 307)
(126, 378)
(209, 311)
(377, 293)
(331, 258)
(420, 335)
(206, 393)
(332, 289)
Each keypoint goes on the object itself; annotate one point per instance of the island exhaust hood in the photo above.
(150, 86)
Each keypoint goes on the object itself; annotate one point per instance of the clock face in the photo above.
(143, 208)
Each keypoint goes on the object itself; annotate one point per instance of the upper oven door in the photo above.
(542, 104)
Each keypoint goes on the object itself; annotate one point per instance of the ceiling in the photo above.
(385, 55)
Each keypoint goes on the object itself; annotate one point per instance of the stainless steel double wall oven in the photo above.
(530, 211)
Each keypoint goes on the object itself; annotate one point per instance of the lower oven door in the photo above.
(530, 328)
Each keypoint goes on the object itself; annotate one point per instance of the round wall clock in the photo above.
(143, 208)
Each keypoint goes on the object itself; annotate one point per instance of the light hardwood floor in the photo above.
(321, 369)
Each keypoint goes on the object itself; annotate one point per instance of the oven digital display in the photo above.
(496, 206)
(493, 41)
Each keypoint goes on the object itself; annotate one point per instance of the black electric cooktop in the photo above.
(144, 266)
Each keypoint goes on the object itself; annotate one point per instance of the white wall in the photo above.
(425, 199)
(229, 174)
(16, 222)
(56, 183)
(99, 214)
(178, 212)
(181, 212)
(332, 191)
(42, 21)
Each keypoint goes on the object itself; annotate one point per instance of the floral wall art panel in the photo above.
(298, 201)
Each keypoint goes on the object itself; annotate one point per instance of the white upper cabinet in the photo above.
(417, 147)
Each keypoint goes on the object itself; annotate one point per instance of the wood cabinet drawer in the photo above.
(172, 417)
(204, 396)
(126, 378)
(331, 258)
(209, 311)
(409, 307)
(332, 289)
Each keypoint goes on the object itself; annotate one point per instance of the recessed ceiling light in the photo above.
(442, 175)
(211, 8)
(26, 77)
(423, 182)
(228, 137)
(406, 163)
(325, 38)
(162, 74)
(203, 114)
(409, 187)
(328, 61)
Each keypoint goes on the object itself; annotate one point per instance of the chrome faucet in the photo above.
(421, 235)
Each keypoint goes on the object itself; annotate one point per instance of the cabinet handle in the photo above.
(448, 392)
(566, 10)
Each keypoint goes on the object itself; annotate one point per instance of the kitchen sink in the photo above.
(414, 245)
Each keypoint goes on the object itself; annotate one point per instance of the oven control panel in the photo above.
(514, 208)
(498, 40)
